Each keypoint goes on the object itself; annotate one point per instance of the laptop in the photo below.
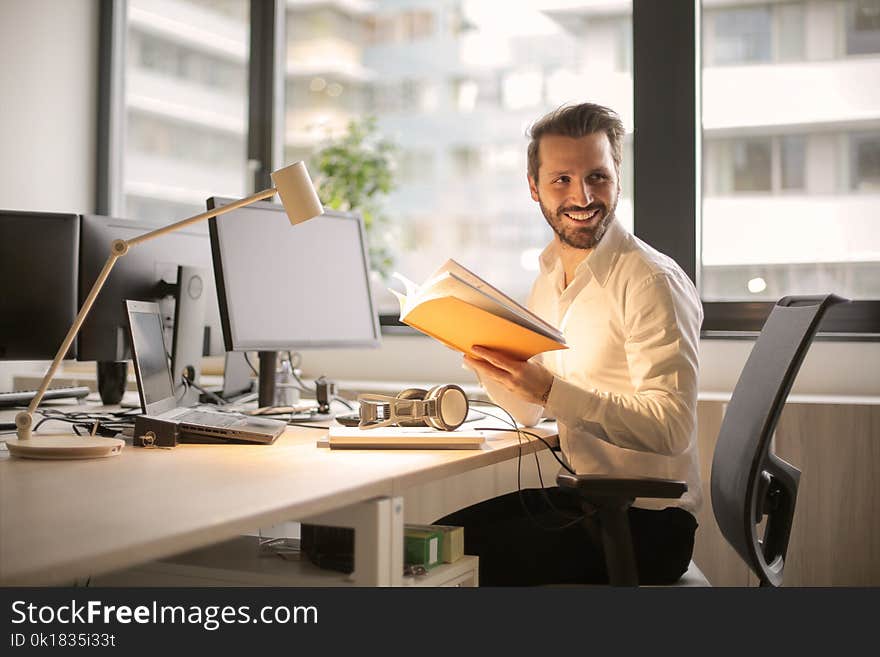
(156, 389)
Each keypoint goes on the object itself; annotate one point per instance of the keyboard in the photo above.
(24, 397)
(208, 418)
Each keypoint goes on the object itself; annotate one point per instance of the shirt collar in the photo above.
(600, 261)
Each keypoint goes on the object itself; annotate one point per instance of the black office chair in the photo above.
(748, 481)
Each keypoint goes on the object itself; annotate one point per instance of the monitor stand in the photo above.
(266, 389)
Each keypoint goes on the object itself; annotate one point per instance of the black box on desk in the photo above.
(153, 432)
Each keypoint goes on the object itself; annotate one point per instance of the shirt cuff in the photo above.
(569, 403)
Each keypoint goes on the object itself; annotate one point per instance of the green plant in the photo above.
(355, 174)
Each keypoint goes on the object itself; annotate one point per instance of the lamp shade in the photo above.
(297, 193)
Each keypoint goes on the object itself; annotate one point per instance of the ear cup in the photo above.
(412, 393)
(452, 407)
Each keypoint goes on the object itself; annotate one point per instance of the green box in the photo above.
(421, 548)
(451, 542)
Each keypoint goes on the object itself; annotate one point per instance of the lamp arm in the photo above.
(259, 196)
(24, 421)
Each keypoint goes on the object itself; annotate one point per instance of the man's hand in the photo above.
(528, 381)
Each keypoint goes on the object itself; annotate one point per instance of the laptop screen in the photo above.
(151, 361)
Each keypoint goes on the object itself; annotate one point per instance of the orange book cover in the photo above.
(461, 310)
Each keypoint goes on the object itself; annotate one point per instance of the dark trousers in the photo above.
(530, 548)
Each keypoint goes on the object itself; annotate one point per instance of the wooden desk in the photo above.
(63, 520)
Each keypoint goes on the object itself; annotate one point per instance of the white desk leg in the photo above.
(378, 539)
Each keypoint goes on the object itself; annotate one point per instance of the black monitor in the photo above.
(148, 272)
(282, 287)
(38, 268)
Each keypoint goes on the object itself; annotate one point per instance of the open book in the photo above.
(458, 308)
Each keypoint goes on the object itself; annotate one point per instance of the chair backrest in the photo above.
(748, 480)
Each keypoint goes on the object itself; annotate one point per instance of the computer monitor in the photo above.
(148, 272)
(38, 267)
(187, 346)
(283, 287)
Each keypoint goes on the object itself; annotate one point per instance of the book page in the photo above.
(453, 279)
(411, 288)
(478, 283)
(408, 300)
(450, 285)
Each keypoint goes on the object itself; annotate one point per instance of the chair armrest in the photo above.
(601, 486)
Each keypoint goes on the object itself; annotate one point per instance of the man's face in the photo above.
(577, 187)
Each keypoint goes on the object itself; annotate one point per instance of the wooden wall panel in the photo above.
(836, 533)
(719, 562)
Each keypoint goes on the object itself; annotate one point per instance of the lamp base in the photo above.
(65, 446)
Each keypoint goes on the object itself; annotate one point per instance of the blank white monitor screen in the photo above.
(283, 287)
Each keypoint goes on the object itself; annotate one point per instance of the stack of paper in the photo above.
(403, 438)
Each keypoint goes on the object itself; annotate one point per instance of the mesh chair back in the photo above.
(749, 481)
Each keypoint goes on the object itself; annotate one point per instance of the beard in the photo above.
(579, 237)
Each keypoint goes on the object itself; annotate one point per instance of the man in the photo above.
(624, 394)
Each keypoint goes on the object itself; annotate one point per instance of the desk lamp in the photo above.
(301, 203)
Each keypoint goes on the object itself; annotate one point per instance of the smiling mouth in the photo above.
(582, 217)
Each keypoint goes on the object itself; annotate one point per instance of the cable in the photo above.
(247, 359)
(344, 402)
(185, 388)
(217, 399)
(295, 423)
(85, 422)
(572, 520)
(542, 439)
(293, 368)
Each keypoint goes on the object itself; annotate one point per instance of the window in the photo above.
(749, 165)
(466, 161)
(791, 42)
(790, 143)
(865, 150)
(793, 162)
(455, 86)
(791, 177)
(185, 106)
(399, 27)
(863, 27)
(738, 35)
(742, 35)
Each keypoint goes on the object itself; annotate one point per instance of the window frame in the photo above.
(666, 99)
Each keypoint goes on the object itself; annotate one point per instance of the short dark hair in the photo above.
(577, 121)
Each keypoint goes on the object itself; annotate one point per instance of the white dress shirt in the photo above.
(625, 391)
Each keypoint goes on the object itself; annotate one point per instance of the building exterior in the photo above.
(790, 106)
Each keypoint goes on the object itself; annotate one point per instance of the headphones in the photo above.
(443, 407)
